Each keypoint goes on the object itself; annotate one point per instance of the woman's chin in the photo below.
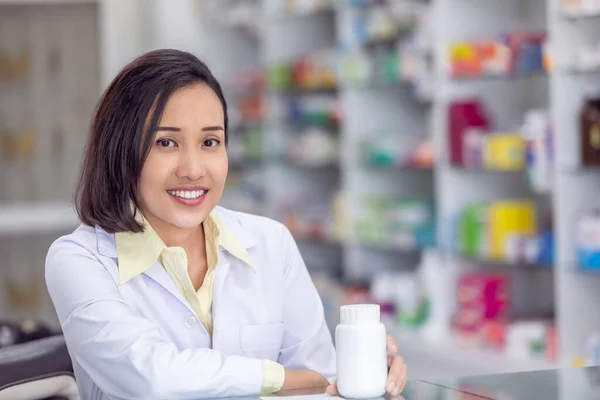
(189, 220)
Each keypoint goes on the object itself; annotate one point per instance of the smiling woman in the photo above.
(159, 99)
(160, 292)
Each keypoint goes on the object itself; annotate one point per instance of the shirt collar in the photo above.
(136, 252)
(231, 242)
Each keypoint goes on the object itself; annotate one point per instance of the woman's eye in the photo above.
(165, 143)
(211, 142)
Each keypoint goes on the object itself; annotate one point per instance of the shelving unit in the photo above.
(44, 2)
(48, 88)
(302, 197)
(506, 96)
(55, 55)
(370, 109)
(576, 184)
(36, 218)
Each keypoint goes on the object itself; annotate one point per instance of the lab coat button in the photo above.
(190, 321)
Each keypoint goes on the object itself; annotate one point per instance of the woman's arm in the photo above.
(307, 351)
(126, 355)
(303, 379)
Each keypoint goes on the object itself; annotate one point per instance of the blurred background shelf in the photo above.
(581, 13)
(508, 77)
(507, 263)
(46, 2)
(31, 219)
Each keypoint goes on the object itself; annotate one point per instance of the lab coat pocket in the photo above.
(261, 341)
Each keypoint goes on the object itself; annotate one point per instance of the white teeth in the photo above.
(186, 194)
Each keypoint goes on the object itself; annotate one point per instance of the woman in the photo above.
(162, 294)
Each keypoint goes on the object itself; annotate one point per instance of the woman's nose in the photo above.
(191, 165)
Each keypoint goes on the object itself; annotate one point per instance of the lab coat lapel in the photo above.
(225, 337)
(224, 267)
(159, 275)
(219, 282)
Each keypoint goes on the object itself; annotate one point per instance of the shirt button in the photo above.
(190, 321)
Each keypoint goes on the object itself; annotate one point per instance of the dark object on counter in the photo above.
(22, 331)
(10, 334)
(38, 369)
(590, 132)
(34, 330)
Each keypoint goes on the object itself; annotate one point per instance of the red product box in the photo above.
(482, 288)
(463, 115)
(477, 316)
(466, 333)
(494, 334)
(469, 319)
(356, 294)
(552, 343)
(473, 326)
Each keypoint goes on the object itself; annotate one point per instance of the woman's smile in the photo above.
(192, 196)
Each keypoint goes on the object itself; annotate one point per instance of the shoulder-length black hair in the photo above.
(118, 145)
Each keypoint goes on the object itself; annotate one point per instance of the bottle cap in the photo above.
(358, 314)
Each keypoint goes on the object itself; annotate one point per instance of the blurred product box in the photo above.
(509, 53)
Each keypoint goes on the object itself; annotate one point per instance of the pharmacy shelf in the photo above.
(502, 263)
(581, 13)
(576, 188)
(516, 77)
(580, 70)
(42, 218)
(374, 107)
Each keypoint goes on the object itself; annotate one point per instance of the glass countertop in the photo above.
(414, 390)
(559, 384)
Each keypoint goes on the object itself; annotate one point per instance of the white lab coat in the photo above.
(141, 340)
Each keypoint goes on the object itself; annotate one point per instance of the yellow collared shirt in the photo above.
(137, 252)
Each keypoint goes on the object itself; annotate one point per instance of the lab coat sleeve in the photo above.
(125, 354)
(307, 342)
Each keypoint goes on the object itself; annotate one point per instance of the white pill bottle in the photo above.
(360, 341)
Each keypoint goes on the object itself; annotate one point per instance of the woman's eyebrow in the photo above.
(168, 128)
(175, 129)
(213, 128)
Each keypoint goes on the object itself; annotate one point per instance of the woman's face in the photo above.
(184, 175)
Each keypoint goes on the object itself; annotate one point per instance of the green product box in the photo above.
(368, 229)
(253, 144)
(279, 76)
(411, 212)
(471, 229)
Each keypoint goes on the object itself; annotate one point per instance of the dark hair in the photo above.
(114, 154)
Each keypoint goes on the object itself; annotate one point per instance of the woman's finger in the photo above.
(332, 390)
(391, 345)
(403, 377)
(394, 376)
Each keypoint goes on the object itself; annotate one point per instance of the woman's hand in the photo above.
(397, 373)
